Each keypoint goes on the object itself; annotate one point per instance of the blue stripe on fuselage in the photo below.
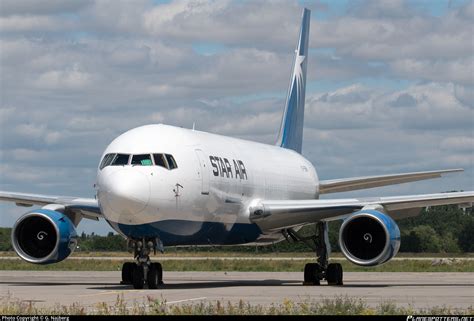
(192, 232)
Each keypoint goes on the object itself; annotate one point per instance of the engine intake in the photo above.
(369, 238)
(44, 236)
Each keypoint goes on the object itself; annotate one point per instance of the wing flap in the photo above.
(274, 215)
(407, 202)
(365, 182)
(270, 215)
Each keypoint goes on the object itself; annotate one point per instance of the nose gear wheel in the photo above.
(143, 272)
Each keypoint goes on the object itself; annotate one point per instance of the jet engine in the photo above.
(44, 236)
(369, 238)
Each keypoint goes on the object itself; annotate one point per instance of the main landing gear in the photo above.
(319, 242)
(143, 271)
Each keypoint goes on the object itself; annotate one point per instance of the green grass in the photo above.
(341, 305)
(201, 252)
(240, 265)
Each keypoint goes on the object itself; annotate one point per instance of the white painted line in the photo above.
(181, 301)
(112, 292)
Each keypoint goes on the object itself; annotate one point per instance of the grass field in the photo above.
(173, 252)
(342, 305)
(407, 265)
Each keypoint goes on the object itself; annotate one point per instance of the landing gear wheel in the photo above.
(143, 272)
(138, 277)
(155, 276)
(334, 274)
(127, 269)
(160, 273)
(311, 274)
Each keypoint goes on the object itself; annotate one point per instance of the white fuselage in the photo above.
(205, 199)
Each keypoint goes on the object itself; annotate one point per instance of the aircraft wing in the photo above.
(83, 207)
(279, 214)
(356, 183)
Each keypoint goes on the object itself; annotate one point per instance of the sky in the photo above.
(390, 85)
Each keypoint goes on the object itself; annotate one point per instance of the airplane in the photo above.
(160, 186)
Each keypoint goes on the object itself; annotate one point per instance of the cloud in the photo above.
(411, 43)
(462, 143)
(458, 71)
(404, 100)
(432, 106)
(227, 22)
(19, 23)
(121, 18)
(72, 78)
(465, 95)
(353, 94)
(44, 7)
(63, 79)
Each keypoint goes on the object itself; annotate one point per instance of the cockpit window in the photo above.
(171, 162)
(164, 160)
(160, 160)
(143, 160)
(114, 160)
(106, 160)
(120, 160)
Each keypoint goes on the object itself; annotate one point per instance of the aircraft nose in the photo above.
(126, 191)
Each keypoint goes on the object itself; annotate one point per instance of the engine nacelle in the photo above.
(44, 236)
(369, 238)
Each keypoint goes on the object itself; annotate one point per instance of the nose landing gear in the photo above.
(143, 272)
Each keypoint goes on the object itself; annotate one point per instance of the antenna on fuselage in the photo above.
(194, 125)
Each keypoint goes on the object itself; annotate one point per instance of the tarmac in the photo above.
(418, 290)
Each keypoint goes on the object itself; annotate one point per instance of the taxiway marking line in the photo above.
(181, 301)
(113, 292)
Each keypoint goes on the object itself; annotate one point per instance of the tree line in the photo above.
(440, 229)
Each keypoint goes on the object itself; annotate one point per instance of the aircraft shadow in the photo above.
(212, 284)
(224, 284)
(26, 283)
(267, 283)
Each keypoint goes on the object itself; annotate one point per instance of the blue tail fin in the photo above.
(291, 130)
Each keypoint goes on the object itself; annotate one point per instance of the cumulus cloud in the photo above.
(458, 71)
(463, 143)
(465, 94)
(64, 79)
(410, 41)
(430, 106)
(404, 100)
(45, 7)
(123, 18)
(28, 23)
(227, 22)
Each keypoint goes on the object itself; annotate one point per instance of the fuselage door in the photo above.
(204, 172)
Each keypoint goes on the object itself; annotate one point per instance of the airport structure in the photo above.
(160, 185)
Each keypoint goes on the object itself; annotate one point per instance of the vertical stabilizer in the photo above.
(291, 130)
